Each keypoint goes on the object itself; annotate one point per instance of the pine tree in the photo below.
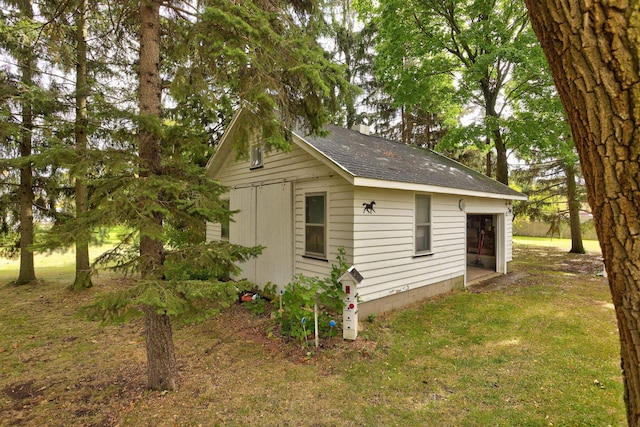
(83, 235)
(251, 55)
(19, 28)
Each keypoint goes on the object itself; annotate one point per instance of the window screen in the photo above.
(423, 224)
(315, 225)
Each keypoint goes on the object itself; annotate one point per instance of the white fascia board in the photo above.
(318, 155)
(395, 185)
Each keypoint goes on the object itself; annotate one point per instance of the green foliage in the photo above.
(270, 291)
(300, 297)
(478, 58)
(525, 355)
(187, 301)
(281, 76)
(205, 261)
(256, 306)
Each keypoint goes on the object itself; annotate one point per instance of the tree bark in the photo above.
(490, 98)
(488, 161)
(26, 63)
(593, 52)
(574, 210)
(162, 373)
(83, 268)
(502, 166)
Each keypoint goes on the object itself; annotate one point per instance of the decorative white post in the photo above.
(350, 281)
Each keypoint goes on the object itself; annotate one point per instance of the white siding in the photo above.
(339, 201)
(380, 244)
(213, 231)
(306, 175)
(278, 166)
(384, 242)
(508, 225)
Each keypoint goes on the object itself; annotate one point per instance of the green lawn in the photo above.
(541, 351)
(58, 266)
(591, 246)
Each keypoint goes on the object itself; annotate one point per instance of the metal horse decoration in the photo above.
(368, 207)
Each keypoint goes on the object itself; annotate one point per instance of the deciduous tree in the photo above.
(593, 51)
(439, 54)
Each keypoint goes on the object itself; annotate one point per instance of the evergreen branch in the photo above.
(180, 11)
(188, 301)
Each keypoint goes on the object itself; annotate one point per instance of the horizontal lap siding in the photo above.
(339, 197)
(384, 243)
(213, 231)
(307, 175)
(291, 166)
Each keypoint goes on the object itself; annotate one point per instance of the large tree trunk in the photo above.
(574, 210)
(26, 63)
(502, 166)
(592, 49)
(161, 357)
(162, 373)
(490, 98)
(488, 163)
(83, 268)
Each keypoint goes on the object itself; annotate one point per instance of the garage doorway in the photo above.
(482, 239)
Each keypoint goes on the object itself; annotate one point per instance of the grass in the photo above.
(542, 350)
(591, 246)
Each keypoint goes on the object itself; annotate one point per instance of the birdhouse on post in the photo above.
(350, 281)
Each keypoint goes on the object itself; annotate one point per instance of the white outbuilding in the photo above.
(415, 223)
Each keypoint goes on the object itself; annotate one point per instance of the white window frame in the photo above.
(419, 222)
(307, 252)
(256, 156)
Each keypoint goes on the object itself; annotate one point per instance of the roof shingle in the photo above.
(369, 156)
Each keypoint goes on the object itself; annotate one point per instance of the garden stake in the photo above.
(304, 329)
(315, 324)
(332, 324)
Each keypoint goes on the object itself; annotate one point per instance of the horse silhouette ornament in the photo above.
(368, 207)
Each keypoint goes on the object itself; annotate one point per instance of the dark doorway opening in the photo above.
(481, 241)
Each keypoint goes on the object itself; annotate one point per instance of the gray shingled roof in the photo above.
(369, 156)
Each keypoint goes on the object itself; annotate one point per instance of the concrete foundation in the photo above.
(402, 299)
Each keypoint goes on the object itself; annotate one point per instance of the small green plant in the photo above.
(270, 291)
(301, 296)
(256, 306)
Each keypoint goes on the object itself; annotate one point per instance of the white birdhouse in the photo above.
(350, 281)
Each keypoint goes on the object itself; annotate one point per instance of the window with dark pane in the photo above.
(224, 224)
(256, 156)
(315, 225)
(423, 224)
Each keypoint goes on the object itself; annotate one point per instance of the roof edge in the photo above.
(409, 186)
(320, 156)
(224, 148)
